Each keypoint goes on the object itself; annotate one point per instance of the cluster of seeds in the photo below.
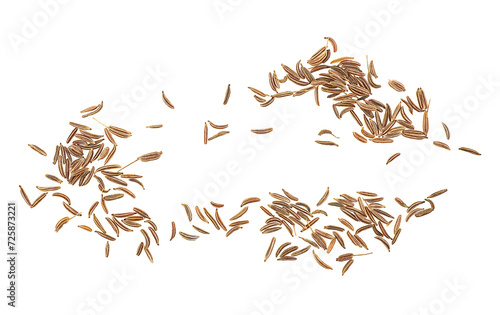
(350, 88)
(76, 165)
(296, 220)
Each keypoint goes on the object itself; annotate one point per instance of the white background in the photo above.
(89, 51)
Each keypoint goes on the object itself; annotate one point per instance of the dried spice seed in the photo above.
(166, 100)
(441, 145)
(270, 249)
(228, 93)
(320, 262)
(469, 150)
(397, 86)
(37, 149)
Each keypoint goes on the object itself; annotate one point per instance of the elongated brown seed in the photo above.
(324, 197)
(38, 149)
(217, 135)
(397, 86)
(441, 145)
(437, 193)
(262, 131)
(270, 249)
(469, 150)
(217, 126)
(188, 237)
(166, 100)
(173, 231)
(446, 130)
(320, 262)
(38, 199)
(228, 93)
(392, 158)
(86, 228)
(25, 196)
(205, 134)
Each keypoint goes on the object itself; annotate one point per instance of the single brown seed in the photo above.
(397, 86)
(86, 228)
(347, 266)
(155, 235)
(320, 262)
(106, 249)
(228, 93)
(37, 149)
(139, 249)
(125, 190)
(446, 130)
(188, 212)
(25, 196)
(173, 231)
(219, 220)
(217, 126)
(188, 237)
(166, 101)
(262, 131)
(469, 150)
(392, 158)
(232, 230)
(113, 226)
(155, 126)
(98, 223)
(109, 136)
(437, 193)
(329, 143)
(205, 134)
(270, 249)
(359, 137)
(216, 205)
(93, 207)
(79, 126)
(106, 236)
(441, 145)
(96, 109)
(38, 200)
(396, 236)
(217, 135)
(258, 92)
(239, 214)
(148, 254)
(61, 223)
(113, 197)
(398, 223)
(200, 230)
(211, 218)
(141, 212)
(324, 197)
(249, 200)
(58, 194)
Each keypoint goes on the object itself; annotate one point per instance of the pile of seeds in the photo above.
(350, 88)
(347, 85)
(353, 218)
(76, 165)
